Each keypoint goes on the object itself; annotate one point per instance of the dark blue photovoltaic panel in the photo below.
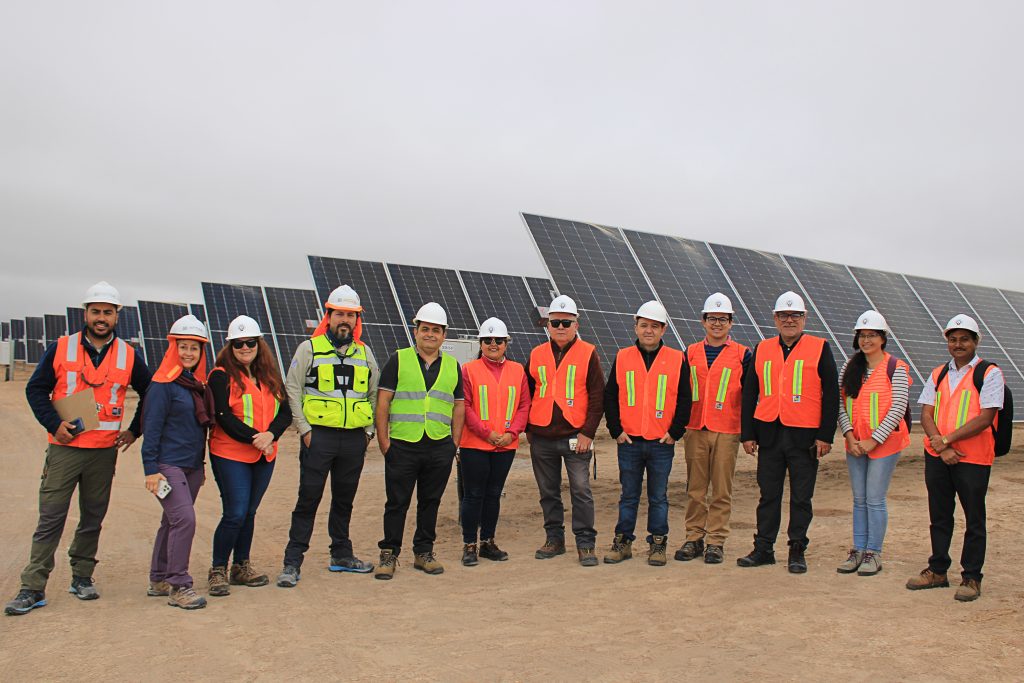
(522, 344)
(609, 332)
(55, 326)
(368, 278)
(836, 296)
(199, 311)
(417, 285)
(18, 335)
(226, 302)
(5, 331)
(34, 333)
(157, 318)
(384, 340)
(999, 316)
(293, 312)
(542, 290)
(501, 296)
(75, 316)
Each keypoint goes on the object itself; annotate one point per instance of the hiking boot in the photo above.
(551, 548)
(852, 562)
(185, 598)
(872, 564)
(25, 601)
(83, 588)
(218, 582)
(970, 589)
(756, 558)
(386, 565)
(489, 550)
(622, 549)
(350, 564)
(658, 555)
(288, 577)
(796, 563)
(469, 558)
(690, 550)
(243, 574)
(714, 554)
(427, 562)
(927, 579)
(587, 557)
(158, 589)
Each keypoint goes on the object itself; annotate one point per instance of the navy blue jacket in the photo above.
(172, 433)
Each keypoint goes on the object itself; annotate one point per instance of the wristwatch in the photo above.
(945, 441)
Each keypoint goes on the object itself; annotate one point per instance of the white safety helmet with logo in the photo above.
(652, 310)
(102, 293)
(493, 327)
(563, 304)
(790, 301)
(871, 320)
(962, 322)
(431, 313)
(189, 327)
(717, 303)
(243, 327)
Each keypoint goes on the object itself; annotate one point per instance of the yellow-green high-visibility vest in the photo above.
(416, 410)
(323, 402)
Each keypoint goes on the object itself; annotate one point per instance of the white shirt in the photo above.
(991, 391)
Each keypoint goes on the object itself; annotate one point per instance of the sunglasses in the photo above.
(493, 340)
(555, 324)
(241, 343)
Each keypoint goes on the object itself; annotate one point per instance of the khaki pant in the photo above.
(710, 460)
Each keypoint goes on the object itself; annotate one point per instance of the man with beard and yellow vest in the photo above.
(788, 421)
(95, 360)
(420, 414)
(332, 388)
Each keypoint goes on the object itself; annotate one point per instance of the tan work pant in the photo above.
(710, 460)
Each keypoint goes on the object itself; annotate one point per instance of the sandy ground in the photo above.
(520, 620)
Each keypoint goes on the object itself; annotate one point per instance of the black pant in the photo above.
(945, 484)
(339, 453)
(483, 478)
(425, 466)
(790, 453)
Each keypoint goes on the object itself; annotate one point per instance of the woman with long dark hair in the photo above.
(875, 389)
(252, 413)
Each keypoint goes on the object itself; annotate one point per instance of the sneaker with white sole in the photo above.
(185, 598)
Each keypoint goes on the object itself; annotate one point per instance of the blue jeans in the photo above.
(634, 459)
(869, 479)
(242, 485)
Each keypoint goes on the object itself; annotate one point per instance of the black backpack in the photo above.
(1002, 428)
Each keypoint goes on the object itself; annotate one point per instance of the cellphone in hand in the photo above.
(77, 426)
(573, 444)
(163, 489)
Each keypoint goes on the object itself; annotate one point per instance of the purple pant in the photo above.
(177, 526)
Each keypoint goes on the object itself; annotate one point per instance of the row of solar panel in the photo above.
(611, 271)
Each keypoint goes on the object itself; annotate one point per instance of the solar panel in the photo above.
(34, 333)
(157, 318)
(384, 340)
(55, 326)
(291, 310)
(199, 311)
(76, 320)
(541, 289)
(18, 335)
(502, 296)
(999, 316)
(610, 332)
(5, 330)
(368, 278)
(226, 302)
(416, 285)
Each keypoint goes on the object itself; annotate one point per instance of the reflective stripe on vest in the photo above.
(630, 388)
(417, 411)
(767, 378)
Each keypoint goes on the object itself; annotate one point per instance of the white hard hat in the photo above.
(653, 310)
(189, 326)
(244, 327)
(871, 320)
(344, 298)
(102, 292)
(563, 304)
(962, 322)
(790, 301)
(493, 327)
(718, 303)
(431, 313)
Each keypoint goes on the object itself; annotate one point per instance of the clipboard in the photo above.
(79, 405)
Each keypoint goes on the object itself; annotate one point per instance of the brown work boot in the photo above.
(158, 589)
(489, 550)
(386, 565)
(551, 548)
(244, 575)
(970, 589)
(622, 549)
(218, 581)
(185, 598)
(658, 555)
(927, 579)
(587, 557)
(427, 562)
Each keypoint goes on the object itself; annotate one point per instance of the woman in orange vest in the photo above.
(251, 415)
(497, 407)
(875, 391)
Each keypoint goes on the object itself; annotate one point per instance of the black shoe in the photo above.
(350, 564)
(756, 558)
(797, 563)
(714, 554)
(489, 550)
(469, 556)
(26, 601)
(690, 550)
(83, 588)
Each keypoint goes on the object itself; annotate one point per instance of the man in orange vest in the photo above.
(567, 386)
(788, 421)
(718, 368)
(647, 405)
(957, 419)
(95, 360)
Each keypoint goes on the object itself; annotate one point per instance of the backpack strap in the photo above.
(979, 373)
(942, 375)
(890, 367)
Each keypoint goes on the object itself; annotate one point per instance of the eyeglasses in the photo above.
(718, 321)
(241, 343)
(868, 335)
(493, 340)
(790, 316)
(561, 322)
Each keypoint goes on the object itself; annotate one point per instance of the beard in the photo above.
(343, 334)
(100, 335)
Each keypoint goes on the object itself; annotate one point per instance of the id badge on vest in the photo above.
(796, 398)
(508, 424)
(719, 406)
(658, 414)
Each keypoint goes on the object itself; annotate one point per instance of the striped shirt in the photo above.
(900, 400)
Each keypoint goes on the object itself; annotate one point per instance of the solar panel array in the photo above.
(18, 337)
(611, 271)
(55, 326)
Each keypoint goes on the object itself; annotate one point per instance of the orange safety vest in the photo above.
(565, 385)
(871, 406)
(716, 392)
(956, 407)
(790, 389)
(75, 373)
(254, 405)
(495, 400)
(647, 398)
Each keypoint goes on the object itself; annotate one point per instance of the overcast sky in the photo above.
(159, 144)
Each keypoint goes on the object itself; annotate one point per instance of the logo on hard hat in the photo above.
(789, 302)
(491, 329)
(863, 321)
(718, 304)
(958, 322)
(561, 305)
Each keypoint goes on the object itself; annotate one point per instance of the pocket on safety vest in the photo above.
(363, 410)
(323, 412)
